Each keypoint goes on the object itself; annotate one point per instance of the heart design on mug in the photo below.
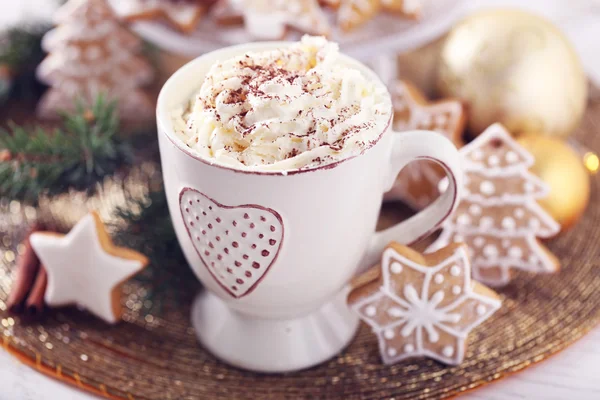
(237, 244)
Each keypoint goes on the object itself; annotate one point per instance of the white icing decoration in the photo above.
(529, 187)
(511, 157)
(448, 351)
(480, 309)
(475, 210)
(422, 311)
(515, 252)
(486, 222)
(478, 155)
(487, 188)
(508, 223)
(455, 270)
(396, 268)
(441, 120)
(371, 311)
(490, 251)
(459, 239)
(493, 160)
(519, 213)
(395, 312)
(463, 219)
(478, 241)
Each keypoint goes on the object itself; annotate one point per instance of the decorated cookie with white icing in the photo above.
(85, 268)
(417, 184)
(183, 15)
(499, 218)
(422, 305)
(91, 54)
(270, 19)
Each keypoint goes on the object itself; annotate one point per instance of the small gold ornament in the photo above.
(563, 170)
(514, 68)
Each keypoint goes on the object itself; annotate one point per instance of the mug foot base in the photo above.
(273, 345)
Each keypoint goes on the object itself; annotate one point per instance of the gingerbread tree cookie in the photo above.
(498, 217)
(184, 15)
(422, 305)
(92, 55)
(417, 184)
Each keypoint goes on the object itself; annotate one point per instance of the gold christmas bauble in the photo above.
(562, 169)
(515, 68)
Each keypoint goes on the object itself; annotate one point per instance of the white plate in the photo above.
(384, 33)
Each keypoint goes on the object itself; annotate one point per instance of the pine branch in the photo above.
(78, 155)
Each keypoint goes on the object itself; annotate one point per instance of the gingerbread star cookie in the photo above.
(417, 184)
(422, 305)
(183, 15)
(270, 19)
(499, 218)
(85, 268)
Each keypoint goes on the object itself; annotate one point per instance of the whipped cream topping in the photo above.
(296, 107)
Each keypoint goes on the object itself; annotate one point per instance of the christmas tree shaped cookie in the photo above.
(498, 217)
(92, 55)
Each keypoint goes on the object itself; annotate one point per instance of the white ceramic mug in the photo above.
(275, 251)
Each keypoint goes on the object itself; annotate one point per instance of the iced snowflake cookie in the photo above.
(422, 305)
(181, 14)
(499, 218)
(417, 184)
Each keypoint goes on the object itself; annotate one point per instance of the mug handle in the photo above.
(408, 147)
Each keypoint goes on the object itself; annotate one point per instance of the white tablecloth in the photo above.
(573, 374)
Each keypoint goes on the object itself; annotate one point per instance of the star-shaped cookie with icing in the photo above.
(85, 268)
(422, 305)
(417, 184)
(183, 15)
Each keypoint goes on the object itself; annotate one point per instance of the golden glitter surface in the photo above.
(154, 354)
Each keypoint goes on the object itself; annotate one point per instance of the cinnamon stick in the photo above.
(27, 268)
(34, 305)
